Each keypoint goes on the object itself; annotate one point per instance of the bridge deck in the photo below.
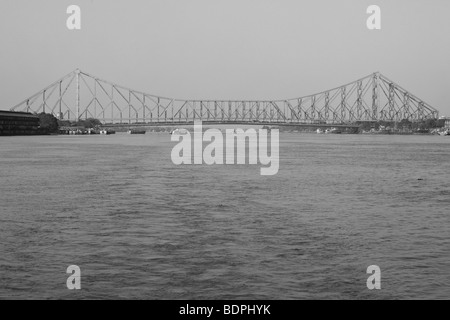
(207, 123)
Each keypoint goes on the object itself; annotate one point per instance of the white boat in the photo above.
(445, 133)
(333, 130)
(135, 131)
(320, 131)
(107, 132)
(179, 132)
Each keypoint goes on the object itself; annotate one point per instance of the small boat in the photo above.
(179, 132)
(320, 131)
(77, 132)
(333, 130)
(135, 131)
(445, 133)
(107, 132)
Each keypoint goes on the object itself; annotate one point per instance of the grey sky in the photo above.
(233, 49)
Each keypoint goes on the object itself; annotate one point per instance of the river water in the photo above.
(140, 227)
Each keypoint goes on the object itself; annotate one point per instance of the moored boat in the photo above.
(107, 132)
(135, 131)
(333, 130)
(179, 132)
(77, 132)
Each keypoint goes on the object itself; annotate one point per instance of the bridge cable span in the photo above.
(79, 95)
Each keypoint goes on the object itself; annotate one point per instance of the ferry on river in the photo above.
(135, 131)
(333, 130)
(179, 132)
(107, 132)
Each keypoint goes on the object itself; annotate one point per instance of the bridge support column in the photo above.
(77, 72)
(43, 101)
(375, 97)
(60, 115)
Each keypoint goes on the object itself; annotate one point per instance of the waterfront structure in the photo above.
(447, 122)
(18, 123)
(80, 95)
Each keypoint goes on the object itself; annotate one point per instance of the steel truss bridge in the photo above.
(80, 95)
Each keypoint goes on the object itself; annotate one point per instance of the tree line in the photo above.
(50, 124)
(403, 124)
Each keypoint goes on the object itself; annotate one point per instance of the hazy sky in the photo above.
(228, 49)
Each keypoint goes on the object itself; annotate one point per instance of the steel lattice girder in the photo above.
(371, 98)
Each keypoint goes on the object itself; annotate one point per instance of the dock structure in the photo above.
(80, 95)
(18, 123)
(446, 121)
